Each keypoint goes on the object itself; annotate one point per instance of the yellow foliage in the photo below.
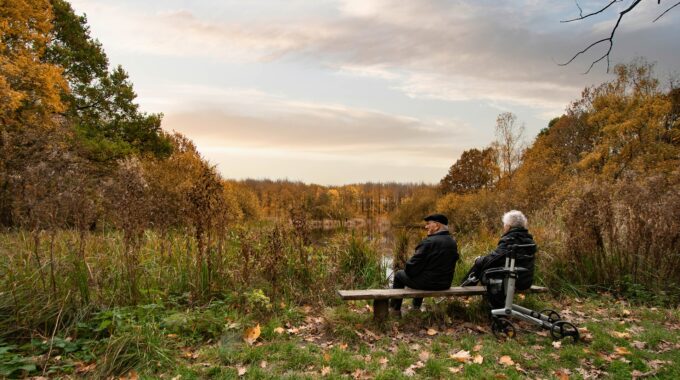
(29, 89)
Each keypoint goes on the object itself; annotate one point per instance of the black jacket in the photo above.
(434, 262)
(525, 257)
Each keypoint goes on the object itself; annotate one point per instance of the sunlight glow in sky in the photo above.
(347, 91)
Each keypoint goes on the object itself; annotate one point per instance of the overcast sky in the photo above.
(347, 91)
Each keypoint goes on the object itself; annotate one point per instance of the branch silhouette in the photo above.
(666, 11)
(609, 39)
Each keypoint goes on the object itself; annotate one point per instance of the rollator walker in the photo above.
(502, 280)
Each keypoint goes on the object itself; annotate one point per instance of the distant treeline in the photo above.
(366, 201)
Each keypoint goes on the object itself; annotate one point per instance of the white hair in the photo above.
(514, 218)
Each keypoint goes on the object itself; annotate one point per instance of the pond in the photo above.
(381, 233)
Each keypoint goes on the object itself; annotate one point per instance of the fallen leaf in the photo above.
(189, 354)
(557, 344)
(172, 336)
(371, 334)
(383, 362)
(455, 369)
(132, 375)
(251, 334)
(477, 348)
(623, 335)
(82, 368)
(411, 370)
(621, 350)
(562, 374)
(500, 376)
(358, 373)
(478, 359)
(431, 332)
(506, 360)
(177, 377)
(656, 364)
(279, 330)
(326, 356)
(415, 347)
(639, 345)
(461, 356)
(263, 364)
(343, 346)
(424, 355)
(325, 371)
(241, 370)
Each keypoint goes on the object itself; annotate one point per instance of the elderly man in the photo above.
(514, 232)
(432, 265)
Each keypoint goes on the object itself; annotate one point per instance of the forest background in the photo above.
(102, 208)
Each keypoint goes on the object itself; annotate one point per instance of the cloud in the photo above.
(245, 121)
(460, 50)
(493, 54)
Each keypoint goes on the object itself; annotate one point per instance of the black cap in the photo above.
(439, 218)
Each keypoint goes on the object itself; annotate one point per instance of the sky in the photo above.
(345, 91)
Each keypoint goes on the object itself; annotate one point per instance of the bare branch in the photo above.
(610, 39)
(581, 16)
(666, 11)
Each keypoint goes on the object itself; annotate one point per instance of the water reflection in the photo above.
(381, 233)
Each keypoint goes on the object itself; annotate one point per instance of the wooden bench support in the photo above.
(381, 309)
(381, 297)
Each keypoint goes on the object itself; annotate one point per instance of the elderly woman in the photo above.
(514, 232)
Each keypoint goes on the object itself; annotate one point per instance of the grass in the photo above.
(343, 341)
(181, 318)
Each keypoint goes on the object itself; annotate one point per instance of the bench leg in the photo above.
(380, 310)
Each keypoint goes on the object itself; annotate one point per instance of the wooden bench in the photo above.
(381, 297)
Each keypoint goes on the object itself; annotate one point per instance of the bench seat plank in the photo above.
(379, 294)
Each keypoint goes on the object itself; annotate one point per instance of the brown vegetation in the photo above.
(600, 185)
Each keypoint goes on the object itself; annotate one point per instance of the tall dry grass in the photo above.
(247, 258)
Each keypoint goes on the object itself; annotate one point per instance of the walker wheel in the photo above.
(562, 329)
(552, 315)
(502, 328)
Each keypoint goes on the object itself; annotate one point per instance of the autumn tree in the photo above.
(30, 92)
(475, 169)
(508, 143)
(631, 114)
(101, 102)
(551, 159)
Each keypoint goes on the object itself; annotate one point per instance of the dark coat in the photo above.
(433, 264)
(525, 257)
